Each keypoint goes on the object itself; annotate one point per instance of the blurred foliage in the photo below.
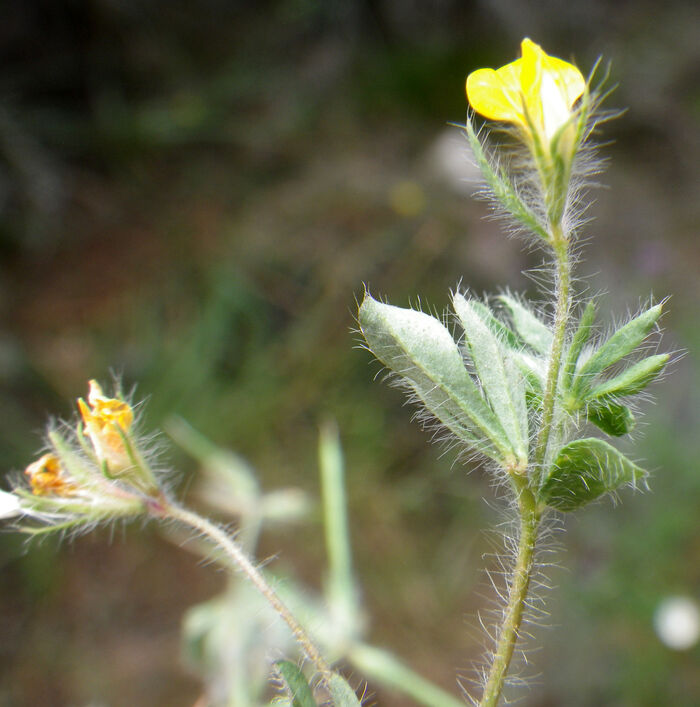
(190, 196)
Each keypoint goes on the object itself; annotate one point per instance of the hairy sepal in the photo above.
(585, 470)
(502, 188)
(421, 351)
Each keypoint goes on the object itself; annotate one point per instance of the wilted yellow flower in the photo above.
(107, 420)
(536, 92)
(46, 477)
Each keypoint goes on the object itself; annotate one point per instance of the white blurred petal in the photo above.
(9, 505)
(677, 622)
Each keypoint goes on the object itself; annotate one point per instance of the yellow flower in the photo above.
(536, 93)
(107, 421)
(46, 477)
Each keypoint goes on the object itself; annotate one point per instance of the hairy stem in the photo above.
(561, 320)
(517, 594)
(526, 487)
(239, 558)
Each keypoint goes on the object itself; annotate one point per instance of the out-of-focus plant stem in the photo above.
(243, 563)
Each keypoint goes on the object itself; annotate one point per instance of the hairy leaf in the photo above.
(620, 344)
(585, 470)
(613, 418)
(505, 393)
(579, 340)
(296, 683)
(419, 349)
(505, 335)
(533, 332)
(632, 380)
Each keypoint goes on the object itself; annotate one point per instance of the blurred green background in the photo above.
(192, 196)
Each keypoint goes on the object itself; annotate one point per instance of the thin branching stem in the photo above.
(243, 563)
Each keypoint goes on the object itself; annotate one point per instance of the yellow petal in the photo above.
(536, 90)
(496, 94)
(106, 421)
(46, 477)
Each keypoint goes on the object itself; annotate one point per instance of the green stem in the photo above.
(517, 594)
(222, 540)
(561, 320)
(525, 487)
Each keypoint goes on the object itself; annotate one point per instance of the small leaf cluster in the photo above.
(487, 389)
(586, 388)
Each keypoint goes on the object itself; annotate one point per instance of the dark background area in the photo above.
(192, 196)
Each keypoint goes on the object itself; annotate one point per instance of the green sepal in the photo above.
(612, 417)
(585, 470)
(503, 189)
(620, 344)
(341, 693)
(632, 380)
(532, 331)
(503, 389)
(579, 340)
(420, 349)
(296, 684)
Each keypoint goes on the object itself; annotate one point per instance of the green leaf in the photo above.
(505, 334)
(503, 189)
(296, 683)
(419, 349)
(613, 418)
(579, 340)
(518, 387)
(533, 332)
(341, 693)
(632, 380)
(533, 368)
(585, 470)
(505, 393)
(620, 344)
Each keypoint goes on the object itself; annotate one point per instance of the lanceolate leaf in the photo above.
(580, 339)
(296, 684)
(632, 380)
(612, 417)
(620, 344)
(533, 332)
(505, 335)
(519, 388)
(505, 394)
(423, 353)
(533, 368)
(585, 470)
